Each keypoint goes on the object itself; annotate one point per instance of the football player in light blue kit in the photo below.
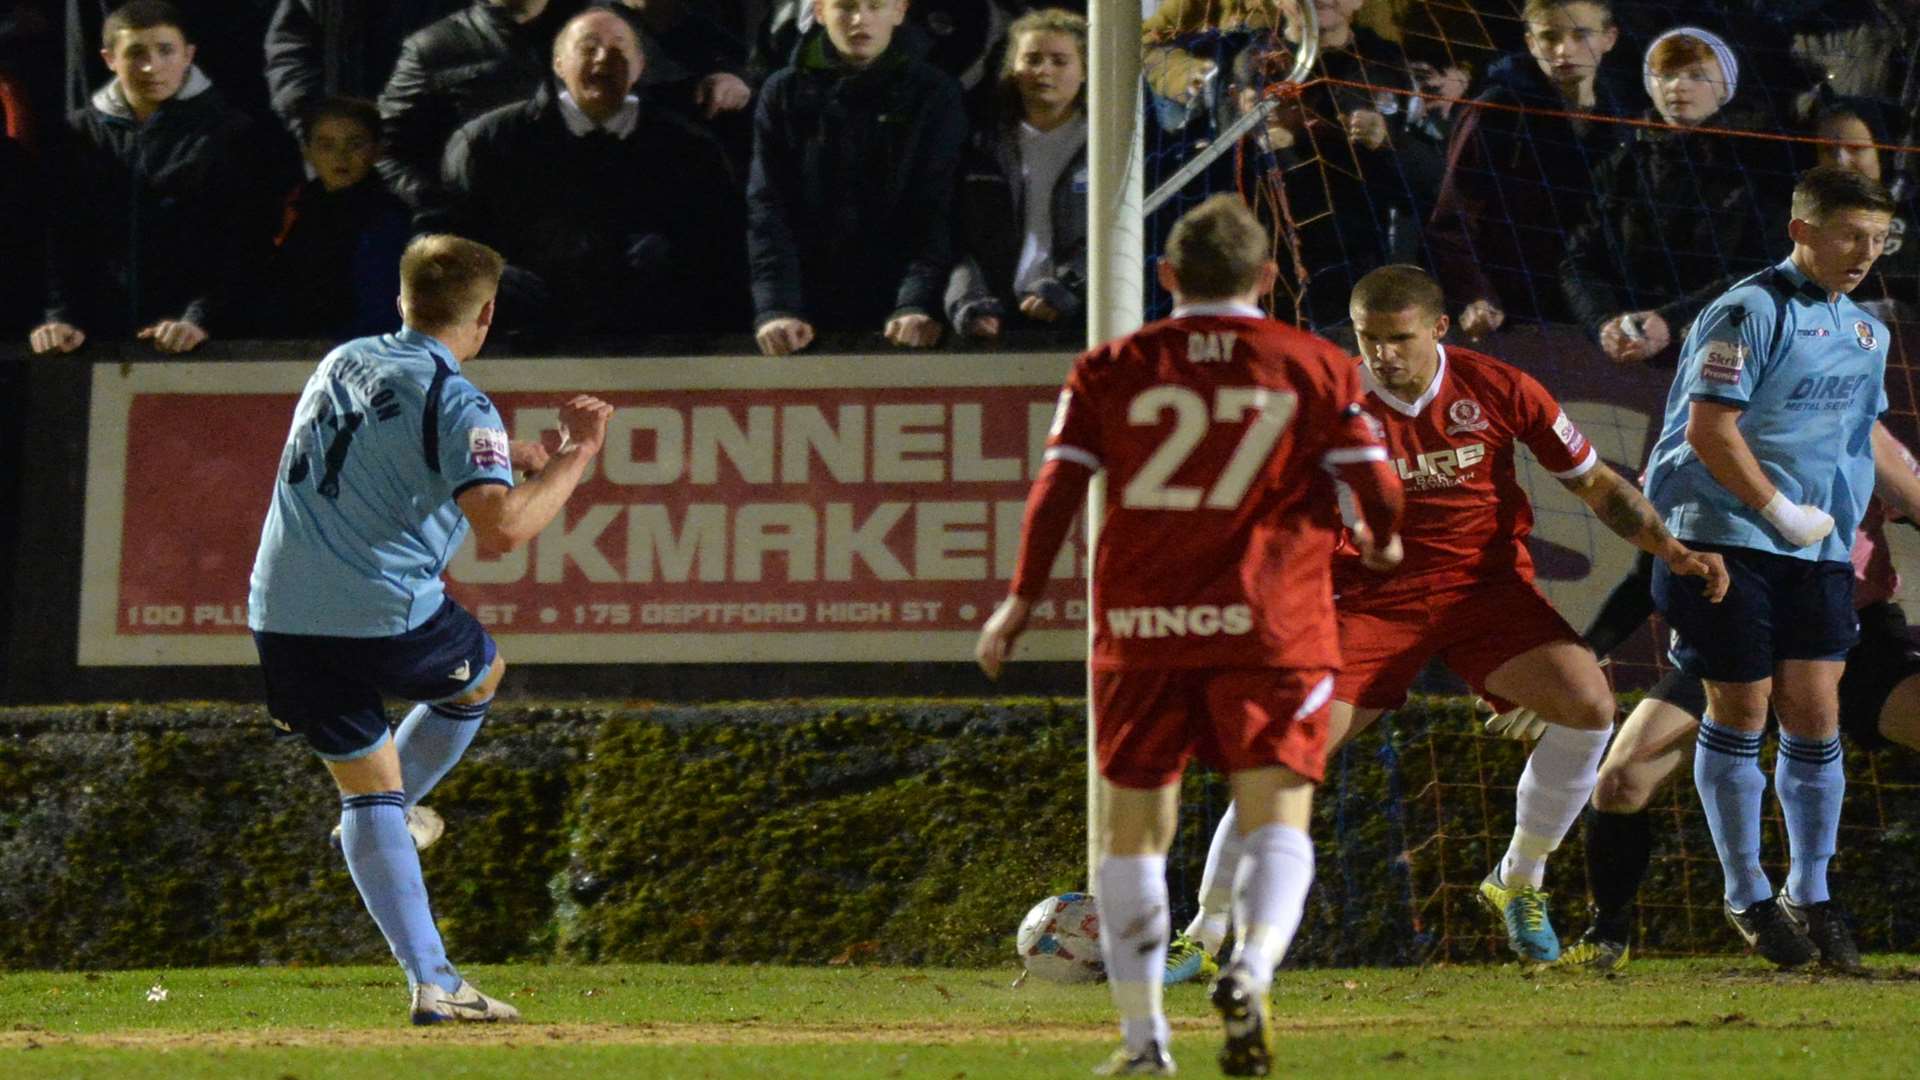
(1769, 455)
(392, 456)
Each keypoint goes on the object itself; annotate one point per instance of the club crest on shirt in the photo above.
(1721, 361)
(1466, 415)
(1863, 333)
(488, 448)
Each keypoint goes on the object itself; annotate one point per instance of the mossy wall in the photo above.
(803, 832)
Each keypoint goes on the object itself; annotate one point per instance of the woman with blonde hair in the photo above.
(1022, 206)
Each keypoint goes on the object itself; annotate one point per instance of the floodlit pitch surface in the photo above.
(1716, 1018)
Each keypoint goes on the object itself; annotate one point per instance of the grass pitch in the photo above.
(1718, 1018)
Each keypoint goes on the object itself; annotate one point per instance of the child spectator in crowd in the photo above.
(153, 196)
(338, 48)
(1520, 169)
(494, 53)
(855, 149)
(1850, 130)
(335, 265)
(1023, 189)
(1680, 214)
(615, 215)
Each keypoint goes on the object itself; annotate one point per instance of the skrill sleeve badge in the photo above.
(487, 448)
(1722, 361)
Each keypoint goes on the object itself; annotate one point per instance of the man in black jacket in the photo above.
(850, 202)
(152, 197)
(318, 49)
(615, 215)
(494, 53)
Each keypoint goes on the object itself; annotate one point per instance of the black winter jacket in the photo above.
(851, 196)
(991, 214)
(452, 71)
(151, 221)
(322, 48)
(634, 235)
(1678, 217)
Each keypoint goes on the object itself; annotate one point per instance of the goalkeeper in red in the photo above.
(1454, 422)
(1226, 438)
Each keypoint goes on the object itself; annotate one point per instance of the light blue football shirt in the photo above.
(1809, 373)
(387, 435)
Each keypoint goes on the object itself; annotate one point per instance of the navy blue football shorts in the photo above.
(330, 690)
(1777, 608)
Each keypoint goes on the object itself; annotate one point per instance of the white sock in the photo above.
(1209, 925)
(1555, 786)
(1131, 894)
(1269, 894)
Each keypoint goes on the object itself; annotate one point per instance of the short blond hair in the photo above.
(445, 280)
(1398, 287)
(1217, 249)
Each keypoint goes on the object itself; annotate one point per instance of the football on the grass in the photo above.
(1059, 940)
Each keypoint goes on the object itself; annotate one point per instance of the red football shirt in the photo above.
(1218, 432)
(1467, 517)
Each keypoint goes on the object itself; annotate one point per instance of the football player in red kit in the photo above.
(1453, 420)
(1223, 435)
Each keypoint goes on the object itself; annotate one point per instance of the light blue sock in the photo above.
(1726, 770)
(1810, 782)
(431, 740)
(386, 868)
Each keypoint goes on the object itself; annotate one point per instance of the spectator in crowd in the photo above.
(334, 268)
(338, 48)
(1183, 71)
(1023, 190)
(855, 149)
(615, 215)
(1337, 172)
(153, 198)
(1679, 213)
(231, 35)
(1520, 168)
(1441, 82)
(22, 225)
(952, 35)
(1787, 47)
(1851, 130)
(493, 53)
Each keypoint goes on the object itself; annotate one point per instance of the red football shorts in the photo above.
(1147, 722)
(1473, 631)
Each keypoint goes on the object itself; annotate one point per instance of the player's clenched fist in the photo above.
(998, 635)
(1705, 564)
(583, 423)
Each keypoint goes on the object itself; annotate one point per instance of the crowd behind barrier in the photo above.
(171, 171)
